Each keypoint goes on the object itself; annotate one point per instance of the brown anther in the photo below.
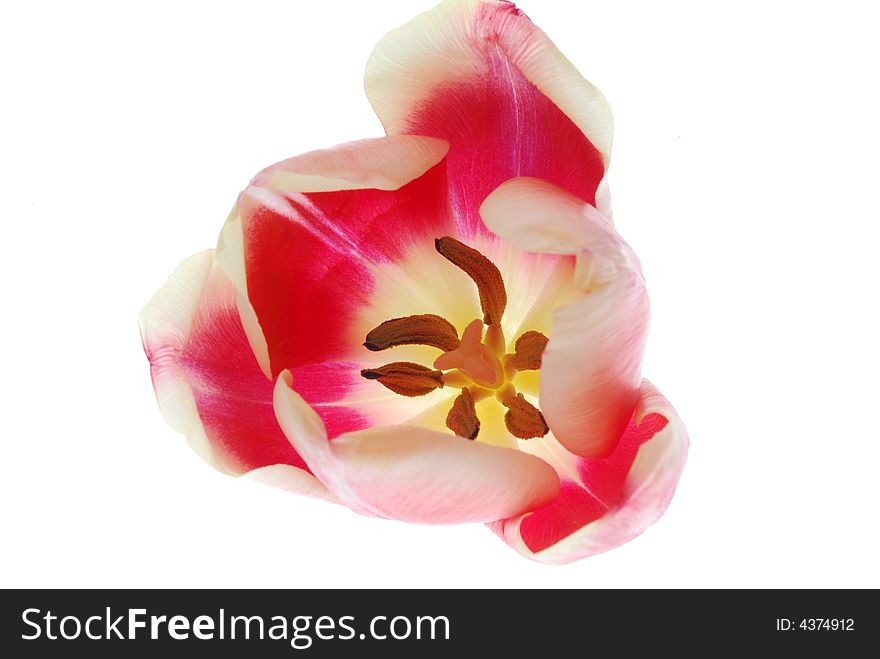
(529, 348)
(523, 419)
(406, 378)
(424, 329)
(487, 277)
(462, 418)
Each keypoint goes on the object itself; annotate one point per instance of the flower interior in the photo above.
(478, 364)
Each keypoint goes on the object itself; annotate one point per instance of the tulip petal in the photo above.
(591, 368)
(210, 386)
(229, 257)
(294, 480)
(306, 232)
(481, 75)
(372, 164)
(607, 502)
(414, 474)
(536, 216)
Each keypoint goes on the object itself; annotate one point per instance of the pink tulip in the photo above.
(441, 325)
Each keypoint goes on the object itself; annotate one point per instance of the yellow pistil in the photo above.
(474, 358)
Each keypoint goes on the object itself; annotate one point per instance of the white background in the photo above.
(745, 174)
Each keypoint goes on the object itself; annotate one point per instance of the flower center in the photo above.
(478, 364)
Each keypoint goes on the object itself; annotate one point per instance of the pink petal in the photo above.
(210, 386)
(608, 502)
(372, 164)
(414, 474)
(482, 76)
(304, 256)
(592, 365)
(536, 216)
(591, 368)
(294, 480)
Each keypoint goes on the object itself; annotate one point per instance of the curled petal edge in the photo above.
(647, 492)
(591, 368)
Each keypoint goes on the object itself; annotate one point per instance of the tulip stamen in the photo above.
(528, 351)
(406, 378)
(486, 275)
(462, 418)
(423, 329)
(523, 420)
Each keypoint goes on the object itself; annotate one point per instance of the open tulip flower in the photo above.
(437, 326)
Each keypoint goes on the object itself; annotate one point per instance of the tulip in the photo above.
(441, 325)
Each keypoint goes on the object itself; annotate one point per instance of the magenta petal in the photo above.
(307, 254)
(207, 379)
(482, 76)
